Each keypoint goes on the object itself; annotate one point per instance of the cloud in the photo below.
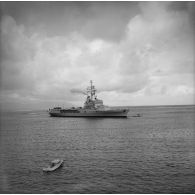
(159, 44)
(154, 57)
(90, 19)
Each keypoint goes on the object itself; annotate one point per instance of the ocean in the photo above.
(153, 153)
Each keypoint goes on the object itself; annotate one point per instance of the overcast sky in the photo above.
(137, 53)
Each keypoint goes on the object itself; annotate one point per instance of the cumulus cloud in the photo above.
(160, 45)
(154, 57)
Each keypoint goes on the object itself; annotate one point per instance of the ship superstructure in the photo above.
(93, 107)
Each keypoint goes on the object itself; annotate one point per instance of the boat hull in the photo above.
(113, 113)
(50, 169)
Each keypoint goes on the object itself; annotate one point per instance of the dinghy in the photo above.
(55, 164)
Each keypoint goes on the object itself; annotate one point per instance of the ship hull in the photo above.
(122, 113)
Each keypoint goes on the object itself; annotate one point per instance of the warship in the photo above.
(93, 107)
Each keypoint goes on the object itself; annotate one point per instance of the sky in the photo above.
(136, 53)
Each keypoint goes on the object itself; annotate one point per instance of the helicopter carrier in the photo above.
(93, 107)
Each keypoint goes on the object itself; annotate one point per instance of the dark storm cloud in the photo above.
(106, 20)
(179, 6)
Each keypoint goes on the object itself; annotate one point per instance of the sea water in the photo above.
(153, 153)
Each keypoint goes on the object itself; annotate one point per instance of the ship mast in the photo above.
(91, 89)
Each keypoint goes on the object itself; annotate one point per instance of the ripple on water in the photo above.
(150, 154)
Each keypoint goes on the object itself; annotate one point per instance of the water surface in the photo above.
(153, 153)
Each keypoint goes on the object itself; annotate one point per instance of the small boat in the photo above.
(55, 164)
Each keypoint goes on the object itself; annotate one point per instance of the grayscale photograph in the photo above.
(97, 97)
